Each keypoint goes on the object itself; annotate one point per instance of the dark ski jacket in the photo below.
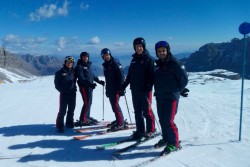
(65, 81)
(114, 75)
(170, 79)
(84, 74)
(140, 73)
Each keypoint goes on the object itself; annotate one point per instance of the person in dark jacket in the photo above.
(114, 78)
(85, 80)
(65, 83)
(140, 78)
(170, 80)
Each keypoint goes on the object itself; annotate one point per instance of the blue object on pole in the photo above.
(244, 28)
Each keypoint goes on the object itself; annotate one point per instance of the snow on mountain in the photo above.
(208, 123)
(14, 75)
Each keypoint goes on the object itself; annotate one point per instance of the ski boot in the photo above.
(160, 143)
(93, 121)
(168, 149)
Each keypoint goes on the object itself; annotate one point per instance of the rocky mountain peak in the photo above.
(226, 55)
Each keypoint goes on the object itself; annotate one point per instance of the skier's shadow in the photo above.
(63, 150)
(36, 130)
(67, 150)
(29, 130)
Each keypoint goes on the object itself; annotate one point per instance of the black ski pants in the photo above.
(66, 100)
(142, 106)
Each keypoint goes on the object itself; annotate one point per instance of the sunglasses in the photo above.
(161, 44)
(70, 59)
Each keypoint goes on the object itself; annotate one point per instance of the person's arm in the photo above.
(83, 79)
(127, 80)
(119, 73)
(150, 75)
(181, 76)
(57, 81)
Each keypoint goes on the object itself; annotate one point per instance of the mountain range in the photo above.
(211, 56)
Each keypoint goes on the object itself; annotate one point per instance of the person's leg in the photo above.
(139, 118)
(63, 102)
(169, 129)
(114, 101)
(89, 97)
(84, 93)
(148, 112)
(71, 109)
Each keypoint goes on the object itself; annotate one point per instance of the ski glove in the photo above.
(184, 93)
(92, 85)
(102, 83)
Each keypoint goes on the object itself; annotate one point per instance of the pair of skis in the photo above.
(91, 128)
(81, 137)
(135, 143)
(155, 158)
(116, 154)
(138, 142)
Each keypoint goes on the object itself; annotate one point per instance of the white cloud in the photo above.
(84, 6)
(63, 11)
(23, 44)
(10, 37)
(15, 41)
(41, 45)
(119, 43)
(67, 44)
(61, 43)
(94, 41)
(48, 11)
(170, 38)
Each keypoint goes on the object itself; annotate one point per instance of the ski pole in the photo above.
(103, 103)
(127, 108)
(150, 103)
(157, 122)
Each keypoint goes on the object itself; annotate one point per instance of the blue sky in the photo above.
(68, 27)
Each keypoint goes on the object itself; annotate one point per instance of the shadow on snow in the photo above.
(68, 150)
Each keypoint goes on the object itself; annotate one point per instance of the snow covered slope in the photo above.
(14, 75)
(208, 123)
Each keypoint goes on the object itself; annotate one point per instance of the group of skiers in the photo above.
(166, 74)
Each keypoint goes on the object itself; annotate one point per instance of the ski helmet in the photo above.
(162, 44)
(105, 51)
(84, 54)
(138, 41)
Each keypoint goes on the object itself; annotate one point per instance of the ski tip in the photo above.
(76, 138)
(80, 137)
(80, 130)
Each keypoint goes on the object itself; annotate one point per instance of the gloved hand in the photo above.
(102, 83)
(184, 92)
(92, 85)
(122, 92)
